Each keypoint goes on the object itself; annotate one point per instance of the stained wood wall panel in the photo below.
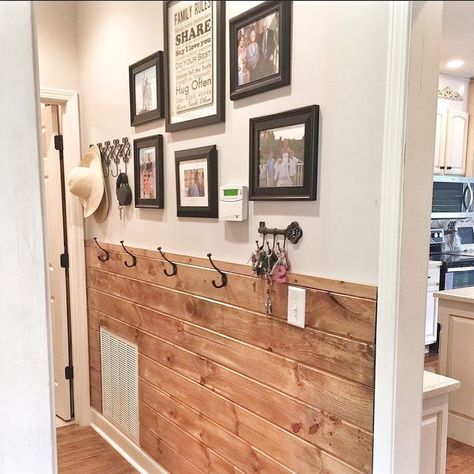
(229, 388)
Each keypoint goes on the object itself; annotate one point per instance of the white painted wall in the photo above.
(458, 84)
(339, 62)
(57, 44)
(27, 441)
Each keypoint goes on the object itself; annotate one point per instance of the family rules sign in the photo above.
(194, 53)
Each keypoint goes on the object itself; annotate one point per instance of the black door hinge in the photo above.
(64, 260)
(58, 142)
(69, 372)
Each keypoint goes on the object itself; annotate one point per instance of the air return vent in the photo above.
(120, 382)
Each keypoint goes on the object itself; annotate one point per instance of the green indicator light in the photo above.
(231, 192)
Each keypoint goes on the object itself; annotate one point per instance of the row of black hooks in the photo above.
(174, 268)
(114, 151)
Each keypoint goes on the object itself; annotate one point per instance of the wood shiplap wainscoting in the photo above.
(223, 387)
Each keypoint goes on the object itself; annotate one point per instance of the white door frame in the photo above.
(75, 238)
(410, 112)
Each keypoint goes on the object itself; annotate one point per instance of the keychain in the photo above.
(282, 266)
(268, 298)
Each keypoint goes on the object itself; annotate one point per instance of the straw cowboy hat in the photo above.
(86, 181)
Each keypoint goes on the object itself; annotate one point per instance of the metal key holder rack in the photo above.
(114, 151)
(293, 232)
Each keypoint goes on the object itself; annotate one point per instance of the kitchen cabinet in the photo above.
(456, 358)
(431, 321)
(451, 142)
(434, 422)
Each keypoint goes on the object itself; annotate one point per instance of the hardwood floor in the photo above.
(82, 450)
(460, 458)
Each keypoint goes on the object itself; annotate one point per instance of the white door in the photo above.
(456, 142)
(440, 140)
(56, 247)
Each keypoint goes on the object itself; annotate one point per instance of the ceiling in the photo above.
(458, 37)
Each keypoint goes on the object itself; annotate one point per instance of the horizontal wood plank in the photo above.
(325, 284)
(347, 358)
(227, 445)
(357, 315)
(202, 457)
(318, 427)
(166, 456)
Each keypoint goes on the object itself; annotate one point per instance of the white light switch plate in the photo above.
(296, 306)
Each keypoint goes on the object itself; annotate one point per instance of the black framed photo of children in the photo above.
(148, 167)
(284, 155)
(146, 89)
(260, 49)
(196, 182)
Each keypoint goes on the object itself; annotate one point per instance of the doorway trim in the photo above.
(69, 102)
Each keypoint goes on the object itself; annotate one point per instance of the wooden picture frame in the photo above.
(148, 172)
(260, 49)
(196, 182)
(196, 99)
(284, 156)
(151, 101)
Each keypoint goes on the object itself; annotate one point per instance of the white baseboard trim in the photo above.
(461, 429)
(140, 460)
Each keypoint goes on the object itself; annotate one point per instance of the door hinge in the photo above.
(58, 142)
(64, 260)
(69, 372)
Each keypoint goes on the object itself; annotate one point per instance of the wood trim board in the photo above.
(231, 388)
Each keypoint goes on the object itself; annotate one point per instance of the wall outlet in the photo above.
(296, 306)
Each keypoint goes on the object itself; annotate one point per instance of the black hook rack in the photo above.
(134, 259)
(114, 151)
(222, 274)
(102, 258)
(293, 232)
(175, 267)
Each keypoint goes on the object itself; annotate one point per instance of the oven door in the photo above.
(458, 277)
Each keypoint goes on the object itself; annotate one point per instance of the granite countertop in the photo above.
(435, 384)
(464, 295)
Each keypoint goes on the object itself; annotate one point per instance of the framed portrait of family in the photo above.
(284, 155)
(194, 63)
(146, 89)
(260, 49)
(148, 168)
(196, 182)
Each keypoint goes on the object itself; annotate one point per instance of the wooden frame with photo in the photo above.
(153, 92)
(149, 176)
(199, 198)
(270, 62)
(195, 38)
(284, 155)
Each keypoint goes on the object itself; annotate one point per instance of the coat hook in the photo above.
(102, 258)
(175, 267)
(115, 153)
(222, 274)
(134, 259)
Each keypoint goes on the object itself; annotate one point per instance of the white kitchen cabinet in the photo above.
(451, 142)
(431, 321)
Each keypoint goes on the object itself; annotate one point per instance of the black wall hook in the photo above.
(222, 274)
(102, 258)
(175, 267)
(134, 259)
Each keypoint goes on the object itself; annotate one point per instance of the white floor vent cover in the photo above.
(120, 382)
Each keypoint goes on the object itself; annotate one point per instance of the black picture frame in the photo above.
(154, 60)
(155, 141)
(283, 76)
(219, 73)
(307, 191)
(208, 153)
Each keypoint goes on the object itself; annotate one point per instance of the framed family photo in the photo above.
(196, 182)
(148, 167)
(284, 155)
(260, 49)
(146, 89)
(194, 63)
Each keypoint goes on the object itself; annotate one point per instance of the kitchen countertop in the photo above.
(435, 384)
(463, 295)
